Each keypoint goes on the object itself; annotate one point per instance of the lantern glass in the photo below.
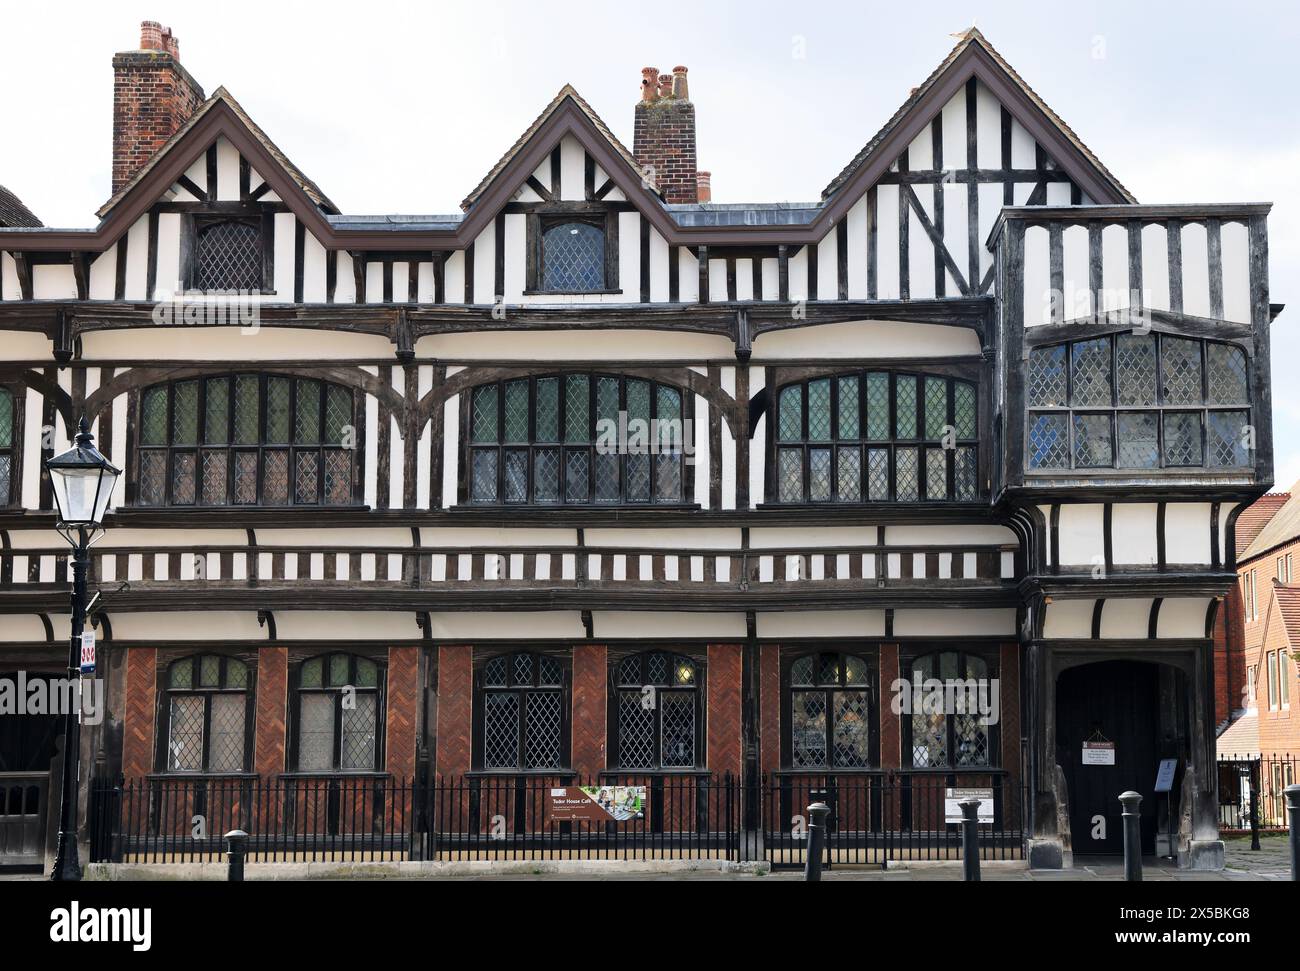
(82, 494)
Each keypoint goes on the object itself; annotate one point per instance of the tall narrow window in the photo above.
(876, 436)
(246, 439)
(831, 707)
(340, 710)
(7, 445)
(207, 714)
(228, 254)
(577, 439)
(657, 717)
(951, 728)
(522, 717)
(1271, 665)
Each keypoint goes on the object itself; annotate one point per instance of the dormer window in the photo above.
(573, 250)
(227, 254)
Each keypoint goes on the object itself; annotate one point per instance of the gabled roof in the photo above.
(13, 212)
(223, 97)
(974, 55)
(1255, 517)
(1282, 527)
(566, 92)
(1287, 598)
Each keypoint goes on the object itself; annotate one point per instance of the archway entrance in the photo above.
(1137, 707)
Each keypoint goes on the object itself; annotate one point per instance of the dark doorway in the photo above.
(27, 746)
(1120, 702)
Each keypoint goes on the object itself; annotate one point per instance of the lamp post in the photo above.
(83, 483)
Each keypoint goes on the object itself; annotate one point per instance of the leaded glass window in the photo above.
(521, 707)
(659, 720)
(573, 258)
(950, 724)
(876, 436)
(246, 439)
(578, 439)
(206, 702)
(339, 714)
(831, 706)
(7, 447)
(1138, 401)
(228, 255)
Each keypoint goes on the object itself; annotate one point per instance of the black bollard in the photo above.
(970, 840)
(817, 813)
(1293, 820)
(235, 842)
(1132, 837)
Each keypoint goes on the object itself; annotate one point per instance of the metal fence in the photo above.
(1255, 784)
(699, 816)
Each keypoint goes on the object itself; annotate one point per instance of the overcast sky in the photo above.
(402, 107)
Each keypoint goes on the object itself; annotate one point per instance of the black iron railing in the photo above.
(1255, 784)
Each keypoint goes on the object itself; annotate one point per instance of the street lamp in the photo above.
(83, 483)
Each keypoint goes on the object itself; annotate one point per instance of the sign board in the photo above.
(952, 797)
(597, 804)
(88, 652)
(1098, 753)
(1165, 777)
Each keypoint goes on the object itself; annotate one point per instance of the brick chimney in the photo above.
(153, 96)
(664, 138)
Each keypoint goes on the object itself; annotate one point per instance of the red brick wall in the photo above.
(455, 709)
(403, 710)
(139, 716)
(890, 738)
(724, 709)
(590, 709)
(153, 96)
(769, 707)
(664, 138)
(1279, 727)
(1009, 701)
(272, 711)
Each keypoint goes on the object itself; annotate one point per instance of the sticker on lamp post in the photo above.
(88, 652)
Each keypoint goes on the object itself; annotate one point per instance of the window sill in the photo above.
(513, 773)
(199, 776)
(337, 774)
(680, 773)
(464, 507)
(568, 293)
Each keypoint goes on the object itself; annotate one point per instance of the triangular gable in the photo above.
(567, 114)
(975, 57)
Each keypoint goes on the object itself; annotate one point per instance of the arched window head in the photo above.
(948, 727)
(207, 714)
(522, 718)
(658, 724)
(339, 713)
(831, 703)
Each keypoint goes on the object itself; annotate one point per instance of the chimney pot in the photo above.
(665, 85)
(704, 186)
(151, 36)
(649, 83)
(680, 91)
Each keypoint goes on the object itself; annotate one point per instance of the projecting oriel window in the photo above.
(831, 704)
(227, 255)
(245, 440)
(657, 717)
(207, 714)
(876, 436)
(339, 714)
(1138, 401)
(522, 712)
(577, 439)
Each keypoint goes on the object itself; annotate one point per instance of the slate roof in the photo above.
(1288, 605)
(1255, 517)
(1241, 738)
(13, 213)
(1282, 527)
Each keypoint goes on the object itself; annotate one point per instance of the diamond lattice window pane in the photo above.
(549, 671)
(496, 671)
(521, 668)
(965, 473)
(638, 478)
(501, 730)
(607, 477)
(638, 400)
(1135, 368)
(483, 475)
(226, 746)
(636, 731)
(338, 415)
(906, 475)
(516, 475)
(819, 410)
(819, 474)
(577, 401)
(209, 671)
(6, 477)
(656, 668)
(339, 669)
(801, 671)
(228, 256)
(677, 729)
(971, 739)
(1090, 367)
(848, 482)
(277, 411)
(310, 675)
(548, 410)
(1049, 441)
(181, 674)
(338, 476)
(546, 475)
(929, 740)
(576, 479)
(668, 478)
(607, 406)
(357, 748)
(1228, 439)
(542, 724)
(216, 411)
(964, 409)
(1183, 438)
(246, 408)
(790, 475)
(808, 729)
(1045, 384)
(849, 414)
(183, 467)
(315, 732)
(1180, 370)
(1227, 374)
(185, 734)
(629, 670)
(790, 428)
(275, 477)
(668, 409)
(1094, 446)
(306, 421)
(185, 413)
(153, 477)
(936, 473)
(878, 407)
(306, 479)
(850, 730)
(1139, 440)
(573, 257)
(878, 474)
(936, 407)
(236, 673)
(214, 476)
(153, 417)
(905, 406)
(484, 425)
(6, 419)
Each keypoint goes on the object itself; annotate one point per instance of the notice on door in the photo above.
(597, 804)
(1098, 753)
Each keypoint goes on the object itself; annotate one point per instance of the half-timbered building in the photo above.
(973, 415)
